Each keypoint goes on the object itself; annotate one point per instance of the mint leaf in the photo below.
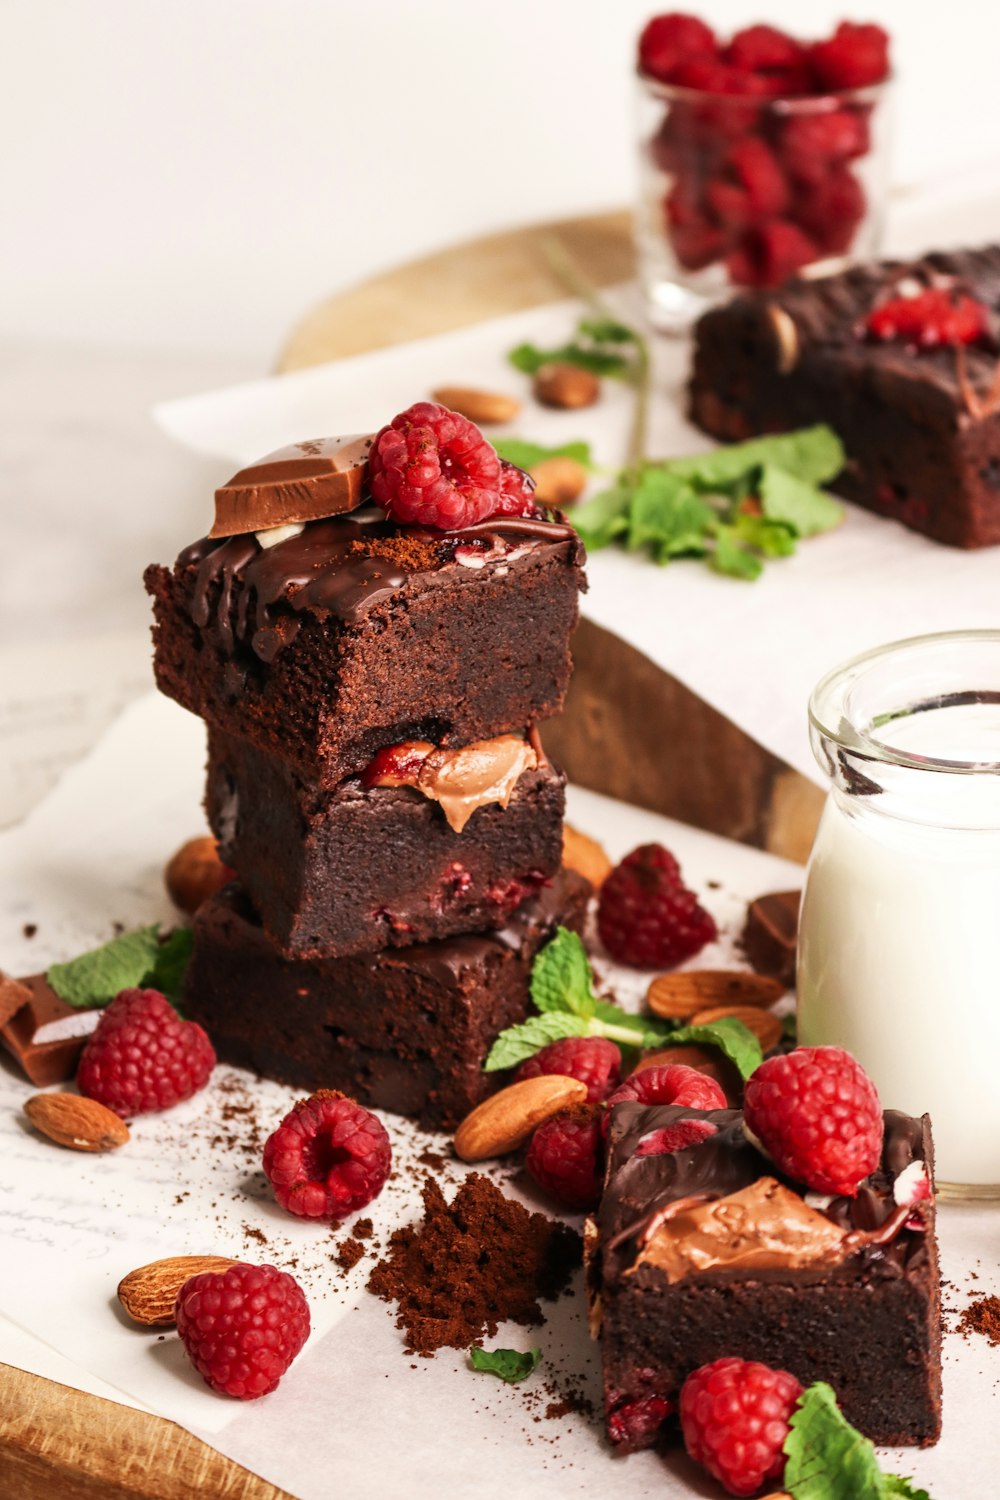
(627, 1030)
(796, 503)
(773, 538)
(828, 1459)
(518, 1042)
(733, 559)
(607, 331)
(96, 977)
(895, 1485)
(529, 359)
(812, 454)
(732, 1038)
(170, 963)
(666, 512)
(603, 517)
(510, 1364)
(561, 977)
(525, 455)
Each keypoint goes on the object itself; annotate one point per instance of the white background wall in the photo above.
(192, 174)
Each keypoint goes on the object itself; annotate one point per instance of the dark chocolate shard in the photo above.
(770, 936)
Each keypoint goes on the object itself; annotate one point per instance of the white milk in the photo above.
(899, 956)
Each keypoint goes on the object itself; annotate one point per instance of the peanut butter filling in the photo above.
(463, 779)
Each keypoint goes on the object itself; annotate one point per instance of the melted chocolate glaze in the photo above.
(638, 1187)
(243, 592)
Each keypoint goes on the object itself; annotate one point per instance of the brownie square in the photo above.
(358, 868)
(746, 1267)
(358, 633)
(918, 450)
(406, 1030)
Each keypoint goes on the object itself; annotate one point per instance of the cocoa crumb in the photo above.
(29, 929)
(349, 1253)
(251, 1232)
(412, 554)
(469, 1266)
(363, 1229)
(982, 1316)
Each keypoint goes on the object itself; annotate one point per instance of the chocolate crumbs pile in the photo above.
(982, 1316)
(472, 1265)
(413, 554)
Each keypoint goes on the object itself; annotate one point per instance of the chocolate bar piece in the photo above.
(320, 477)
(45, 1036)
(405, 1029)
(704, 1252)
(770, 936)
(362, 867)
(357, 634)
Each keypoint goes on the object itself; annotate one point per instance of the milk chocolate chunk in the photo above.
(771, 934)
(303, 482)
(45, 1036)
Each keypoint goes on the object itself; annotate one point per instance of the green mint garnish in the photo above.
(510, 1364)
(525, 455)
(133, 960)
(828, 1459)
(562, 988)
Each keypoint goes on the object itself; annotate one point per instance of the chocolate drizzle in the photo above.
(334, 567)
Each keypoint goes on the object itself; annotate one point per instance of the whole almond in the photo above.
(675, 996)
(478, 406)
(72, 1120)
(585, 856)
(565, 386)
(148, 1294)
(506, 1120)
(194, 873)
(558, 481)
(764, 1024)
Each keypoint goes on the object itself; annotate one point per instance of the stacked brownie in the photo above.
(375, 778)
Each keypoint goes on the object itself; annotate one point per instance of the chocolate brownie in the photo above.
(363, 867)
(358, 633)
(923, 444)
(406, 1030)
(843, 1290)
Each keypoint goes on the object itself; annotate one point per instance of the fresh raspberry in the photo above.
(816, 1113)
(809, 143)
(432, 467)
(855, 56)
(328, 1157)
(752, 168)
(566, 1157)
(592, 1059)
(763, 49)
(675, 1137)
(830, 209)
(698, 246)
(939, 315)
(645, 915)
(242, 1327)
(671, 39)
(673, 1084)
(735, 1416)
(517, 492)
(770, 254)
(635, 1424)
(711, 76)
(143, 1057)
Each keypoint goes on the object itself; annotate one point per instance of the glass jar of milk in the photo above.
(899, 944)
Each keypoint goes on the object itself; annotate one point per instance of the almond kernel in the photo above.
(506, 1120)
(75, 1121)
(676, 996)
(478, 406)
(558, 481)
(565, 386)
(149, 1293)
(585, 855)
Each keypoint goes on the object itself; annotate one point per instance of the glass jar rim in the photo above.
(806, 104)
(830, 703)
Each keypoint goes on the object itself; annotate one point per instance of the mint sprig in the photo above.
(525, 455)
(562, 988)
(134, 960)
(828, 1459)
(512, 1365)
(600, 345)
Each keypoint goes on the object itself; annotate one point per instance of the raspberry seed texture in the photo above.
(242, 1327)
(646, 916)
(432, 467)
(735, 1419)
(328, 1157)
(143, 1057)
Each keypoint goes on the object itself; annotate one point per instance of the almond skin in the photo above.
(585, 856)
(71, 1120)
(149, 1294)
(506, 1120)
(565, 386)
(676, 996)
(765, 1026)
(478, 406)
(194, 873)
(558, 481)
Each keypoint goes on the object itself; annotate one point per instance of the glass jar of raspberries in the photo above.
(759, 158)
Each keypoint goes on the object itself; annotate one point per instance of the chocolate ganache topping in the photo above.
(341, 567)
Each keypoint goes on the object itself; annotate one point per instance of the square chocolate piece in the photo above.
(706, 1252)
(406, 1029)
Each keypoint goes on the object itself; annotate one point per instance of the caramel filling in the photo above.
(459, 780)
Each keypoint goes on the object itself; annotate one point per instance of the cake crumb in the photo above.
(982, 1316)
